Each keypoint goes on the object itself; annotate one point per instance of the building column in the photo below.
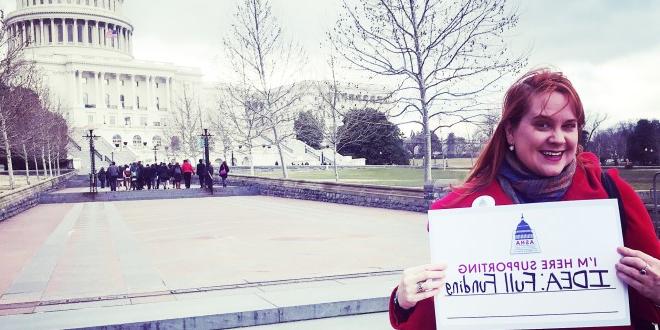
(103, 90)
(84, 34)
(81, 92)
(43, 32)
(149, 92)
(74, 89)
(118, 85)
(134, 95)
(22, 29)
(96, 89)
(167, 92)
(75, 31)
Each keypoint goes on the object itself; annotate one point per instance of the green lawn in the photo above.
(641, 179)
(402, 177)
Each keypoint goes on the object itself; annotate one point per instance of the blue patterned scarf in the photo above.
(523, 186)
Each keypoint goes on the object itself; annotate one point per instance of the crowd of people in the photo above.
(137, 176)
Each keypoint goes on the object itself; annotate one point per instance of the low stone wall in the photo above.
(398, 198)
(20, 199)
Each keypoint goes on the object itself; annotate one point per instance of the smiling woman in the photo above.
(533, 156)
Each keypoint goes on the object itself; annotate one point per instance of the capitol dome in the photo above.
(80, 27)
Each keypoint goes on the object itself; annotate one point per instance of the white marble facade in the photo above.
(85, 50)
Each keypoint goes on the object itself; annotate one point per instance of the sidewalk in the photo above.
(216, 262)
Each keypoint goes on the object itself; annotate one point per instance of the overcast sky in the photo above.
(610, 49)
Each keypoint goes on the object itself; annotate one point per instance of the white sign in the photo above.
(529, 266)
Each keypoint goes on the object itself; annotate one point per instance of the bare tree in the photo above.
(16, 77)
(220, 123)
(268, 65)
(442, 54)
(186, 123)
(592, 123)
(331, 93)
(243, 112)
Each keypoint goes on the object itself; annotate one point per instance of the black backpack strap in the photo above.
(613, 192)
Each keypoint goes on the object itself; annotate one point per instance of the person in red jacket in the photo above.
(188, 171)
(533, 156)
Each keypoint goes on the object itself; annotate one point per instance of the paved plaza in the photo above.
(90, 264)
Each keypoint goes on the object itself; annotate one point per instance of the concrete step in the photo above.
(82, 194)
(232, 307)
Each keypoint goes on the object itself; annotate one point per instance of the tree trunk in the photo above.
(57, 164)
(36, 167)
(43, 161)
(10, 168)
(50, 162)
(27, 165)
(334, 162)
(285, 173)
(251, 162)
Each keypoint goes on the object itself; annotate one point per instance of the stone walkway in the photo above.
(128, 262)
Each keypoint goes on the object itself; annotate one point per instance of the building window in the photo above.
(137, 141)
(84, 80)
(127, 121)
(113, 121)
(157, 141)
(85, 99)
(158, 103)
(107, 82)
(122, 83)
(157, 123)
(156, 85)
(116, 139)
(107, 100)
(121, 100)
(137, 83)
(137, 102)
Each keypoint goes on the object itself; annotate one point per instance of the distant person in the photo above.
(163, 175)
(102, 177)
(113, 174)
(188, 172)
(209, 176)
(533, 156)
(127, 177)
(201, 173)
(177, 175)
(146, 176)
(153, 178)
(223, 172)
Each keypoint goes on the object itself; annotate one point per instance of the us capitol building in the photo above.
(85, 50)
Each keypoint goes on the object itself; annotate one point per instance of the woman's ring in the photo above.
(420, 289)
(641, 271)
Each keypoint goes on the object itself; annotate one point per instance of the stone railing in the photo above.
(399, 198)
(18, 200)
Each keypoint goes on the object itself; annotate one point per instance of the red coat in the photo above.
(187, 168)
(640, 235)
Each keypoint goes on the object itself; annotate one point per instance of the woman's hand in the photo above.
(419, 283)
(640, 271)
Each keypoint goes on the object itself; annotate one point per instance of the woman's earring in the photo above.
(511, 147)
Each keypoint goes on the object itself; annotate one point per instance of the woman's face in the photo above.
(546, 138)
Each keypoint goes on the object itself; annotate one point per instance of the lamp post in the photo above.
(92, 161)
(206, 137)
(155, 149)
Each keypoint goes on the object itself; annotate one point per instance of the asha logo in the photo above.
(524, 239)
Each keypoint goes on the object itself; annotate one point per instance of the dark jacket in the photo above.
(226, 168)
(201, 169)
